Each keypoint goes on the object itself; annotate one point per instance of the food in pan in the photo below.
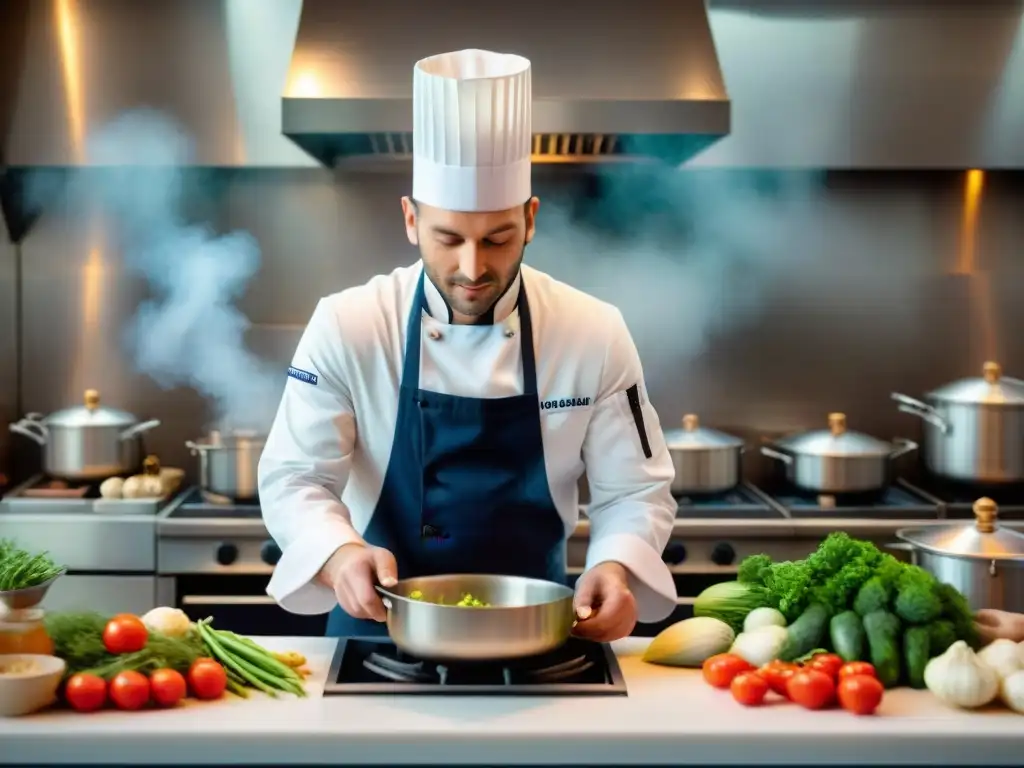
(466, 601)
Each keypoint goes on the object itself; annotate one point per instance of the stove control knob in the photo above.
(270, 553)
(723, 554)
(674, 554)
(227, 554)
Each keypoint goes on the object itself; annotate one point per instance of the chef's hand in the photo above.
(353, 571)
(605, 607)
(997, 625)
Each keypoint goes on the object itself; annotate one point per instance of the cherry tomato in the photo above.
(829, 663)
(777, 674)
(125, 634)
(856, 668)
(811, 689)
(749, 688)
(168, 687)
(720, 670)
(86, 693)
(129, 690)
(860, 694)
(207, 679)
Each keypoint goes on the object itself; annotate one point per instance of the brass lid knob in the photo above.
(690, 422)
(151, 465)
(837, 423)
(992, 372)
(92, 399)
(986, 513)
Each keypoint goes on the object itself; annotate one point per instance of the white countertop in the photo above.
(669, 717)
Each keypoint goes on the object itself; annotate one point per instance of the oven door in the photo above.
(239, 603)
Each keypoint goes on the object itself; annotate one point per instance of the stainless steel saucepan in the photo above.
(229, 464)
(523, 617)
(984, 561)
(705, 460)
(836, 460)
(973, 428)
(87, 442)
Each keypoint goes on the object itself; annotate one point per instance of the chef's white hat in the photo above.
(472, 131)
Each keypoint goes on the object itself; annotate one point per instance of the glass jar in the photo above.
(23, 631)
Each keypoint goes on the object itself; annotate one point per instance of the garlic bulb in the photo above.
(958, 677)
(1011, 691)
(1003, 656)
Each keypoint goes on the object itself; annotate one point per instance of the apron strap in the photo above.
(411, 364)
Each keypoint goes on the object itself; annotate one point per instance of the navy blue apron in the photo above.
(466, 488)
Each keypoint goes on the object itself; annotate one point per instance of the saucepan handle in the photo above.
(771, 453)
(921, 410)
(385, 596)
(903, 447)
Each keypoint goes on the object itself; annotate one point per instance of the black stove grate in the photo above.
(742, 502)
(958, 498)
(899, 501)
(376, 666)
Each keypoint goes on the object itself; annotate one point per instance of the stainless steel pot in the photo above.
(981, 559)
(836, 461)
(525, 617)
(88, 442)
(229, 464)
(706, 460)
(973, 428)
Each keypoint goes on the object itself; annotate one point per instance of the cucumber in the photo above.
(916, 652)
(806, 633)
(847, 634)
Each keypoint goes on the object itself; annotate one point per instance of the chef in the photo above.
(438, 418)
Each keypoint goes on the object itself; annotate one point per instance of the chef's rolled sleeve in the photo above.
(304, 468)
(630, 472)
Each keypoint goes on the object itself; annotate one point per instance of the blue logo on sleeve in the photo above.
(304, 376)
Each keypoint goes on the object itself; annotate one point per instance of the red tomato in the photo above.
(777, 674)
(168, 687)
(749, 688)
(811, 689)
(720, 670)
(125, 634)
(207, 679)
(829, 663)
(856, 668)
(86, 693)
(860, 694)
(129, 690)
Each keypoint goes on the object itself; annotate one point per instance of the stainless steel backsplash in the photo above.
(761, 318)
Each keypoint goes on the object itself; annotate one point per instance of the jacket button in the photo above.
(434, 334)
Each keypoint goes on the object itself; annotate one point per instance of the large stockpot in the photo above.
(836, 460)
(524, 617)
(705, 460)
(982, 560)
(973, 428)
(87, 442)
(229, 464)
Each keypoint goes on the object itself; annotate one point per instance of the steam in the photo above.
(188, 332)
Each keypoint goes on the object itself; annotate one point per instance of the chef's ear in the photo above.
(410, 213)
(530, 211)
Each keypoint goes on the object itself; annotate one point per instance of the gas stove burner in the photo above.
(375, 666)
(743, 501)
(958, 498)
(899, 501)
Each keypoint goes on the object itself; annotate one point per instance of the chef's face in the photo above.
(470, 257)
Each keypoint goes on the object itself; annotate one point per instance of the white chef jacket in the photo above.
(323, 465)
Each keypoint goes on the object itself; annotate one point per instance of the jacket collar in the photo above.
(438, 308)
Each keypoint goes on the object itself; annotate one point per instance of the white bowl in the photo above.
(24, 692)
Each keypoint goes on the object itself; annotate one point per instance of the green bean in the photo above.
(256, 655)
(225, 658)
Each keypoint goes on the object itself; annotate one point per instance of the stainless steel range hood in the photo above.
(611, 80)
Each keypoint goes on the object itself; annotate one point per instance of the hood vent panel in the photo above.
(620, 82)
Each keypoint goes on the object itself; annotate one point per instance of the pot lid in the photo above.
(983, 539)
(90, 414)
(693, 436)
(991, 388)
(837, 440)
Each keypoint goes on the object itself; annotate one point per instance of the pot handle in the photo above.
(900, 546)
(903, 447)
(138, 429)
(384, 594)
(32, 429)
(922, 411)
(771, 453)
